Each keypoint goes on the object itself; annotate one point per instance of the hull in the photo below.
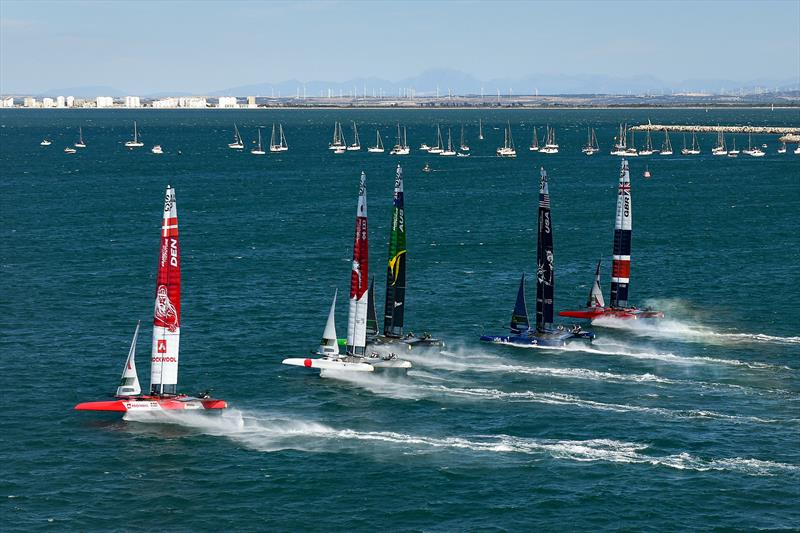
(549, 339)
(330, 363)
(153, 403)
(622, 313)
(409, 340)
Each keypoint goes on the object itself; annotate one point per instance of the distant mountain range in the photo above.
(460, 83)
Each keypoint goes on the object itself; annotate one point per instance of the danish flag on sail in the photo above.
(167, 313)
(359, 278)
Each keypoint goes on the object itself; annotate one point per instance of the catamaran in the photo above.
(164, 395)
(338, 144)
(507, 150)
(534, 147)
(621, 266)
(545, 333)
(277, 143)
(238, 142)
(550, 146)
(356, 142)
(378, 148)
(449, 151)
(356, 357)
(394, 309)
(591, 147)
(258, 150)
(439, 148)
(80, 143)
(666, 147)
(135, 142)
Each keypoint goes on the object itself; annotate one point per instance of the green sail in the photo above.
(396, 269)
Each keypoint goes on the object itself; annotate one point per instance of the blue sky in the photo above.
(148, 46)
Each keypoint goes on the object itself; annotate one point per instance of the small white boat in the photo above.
(464, 146)
(782, 149)
(449, 152)
(45, 142)
(666, 147)
(424, 147)
(338, 142)
(135, 142)
(81, 143)
(238, 143)
(69, 150)
(550, 146)
(157, 149)
(439, 148)
(591, 147)
(647, 172)
(356, 142)
(258, 150)
(278, 143)
(426, 168)
(507, 150)
(534, 147)
(378, 148)
(797, 150)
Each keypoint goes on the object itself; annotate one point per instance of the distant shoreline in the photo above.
(768, 107)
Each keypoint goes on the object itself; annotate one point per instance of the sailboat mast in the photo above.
(166, 317)
(544, 260)
(359, 281)
(396, 270)
(621, 265)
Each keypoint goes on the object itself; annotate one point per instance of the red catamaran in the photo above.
(166, 338)
(620, 267)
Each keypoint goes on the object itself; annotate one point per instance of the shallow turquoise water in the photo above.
(693, 423)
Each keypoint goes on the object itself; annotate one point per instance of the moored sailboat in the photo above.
(378, 148)
(449, 150)
(464, 147)
(401, 146)
(238, 142)
(163, 395)
(258, 150)
(534, 147)
(550, 145)
(81, 143)
(338, 144)
(621, 265)
(545, 333)
(666, 147)
(356, 142)
(439, 148)
(135, 142)
(507, 150)
(591, 146)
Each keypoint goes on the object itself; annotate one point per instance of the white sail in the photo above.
(330, 343)
(596, 296)
(129, 383)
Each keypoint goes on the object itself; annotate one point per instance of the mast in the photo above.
(372, 315)
(129, 383)
(480, 129)
(167, 313)
(621, 265)
(283, 137)
(272, 137)
(396, 270)
(519, 318)
(357, 317)
(535, 143)
(544, 260)
(596, 294)
(135, 133)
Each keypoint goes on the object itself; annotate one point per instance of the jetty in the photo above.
(788, 134)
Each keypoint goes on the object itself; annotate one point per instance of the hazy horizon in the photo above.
(206, 47)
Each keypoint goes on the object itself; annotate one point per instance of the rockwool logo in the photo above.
(162, 346)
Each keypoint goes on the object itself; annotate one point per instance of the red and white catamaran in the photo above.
(620, 267)
(166, 338)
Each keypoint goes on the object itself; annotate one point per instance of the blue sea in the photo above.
(687, 423)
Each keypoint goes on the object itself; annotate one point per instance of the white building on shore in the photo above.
(132, 101)
(105, 101)
(227, 102)
(48, 102)
(8, 102)
(29, 102)
(70, 101)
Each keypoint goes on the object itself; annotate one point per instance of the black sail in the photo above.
(372, 316)
(544, 260)
(396, 270)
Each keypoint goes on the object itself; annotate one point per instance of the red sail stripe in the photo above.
(620, 269)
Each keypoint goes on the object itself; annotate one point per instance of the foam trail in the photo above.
(675, 329)
(487, 364)
(555, 398)
(268, 433)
